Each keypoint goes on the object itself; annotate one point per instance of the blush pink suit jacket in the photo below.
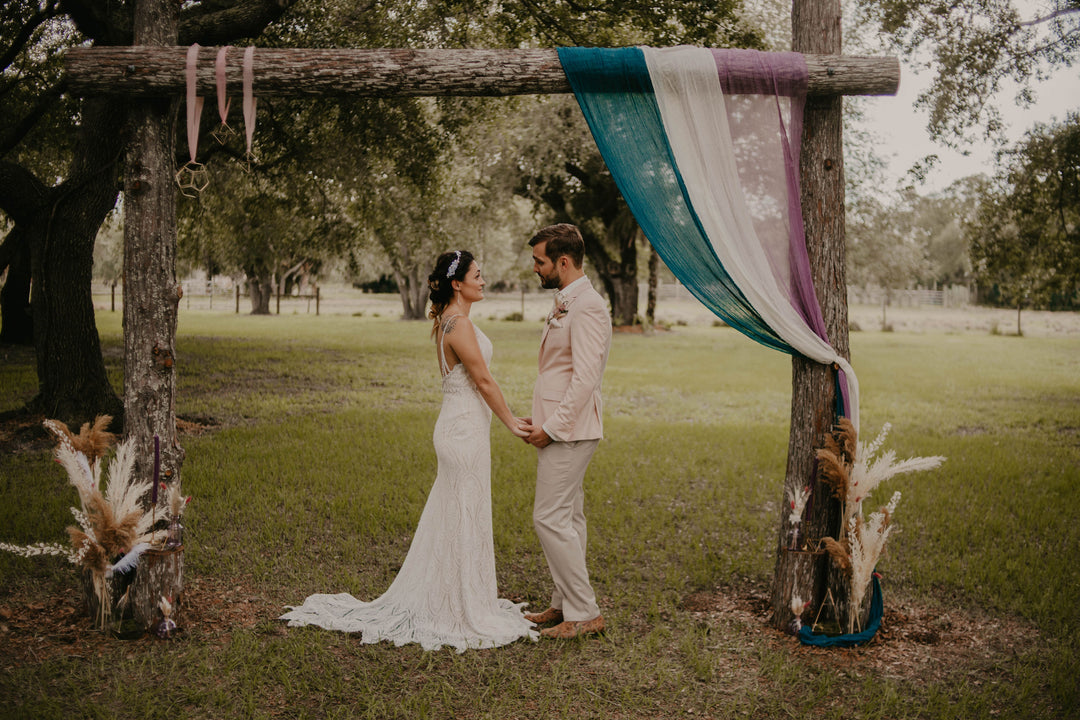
(566, 397)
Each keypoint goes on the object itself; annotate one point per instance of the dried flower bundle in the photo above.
(113, 528)
(867, 541)
(853, 470)
(175, 500)
(797, 504)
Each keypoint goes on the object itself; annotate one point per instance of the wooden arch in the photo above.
(152, 74)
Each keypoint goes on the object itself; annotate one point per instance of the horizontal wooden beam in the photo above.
(159, 71)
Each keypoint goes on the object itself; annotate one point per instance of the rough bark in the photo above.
(160, 574)
(815, 29)
(151, 293)
(148, 71)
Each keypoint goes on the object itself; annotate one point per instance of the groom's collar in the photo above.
(572, 289)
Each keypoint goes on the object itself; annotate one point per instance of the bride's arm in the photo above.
(461, 338)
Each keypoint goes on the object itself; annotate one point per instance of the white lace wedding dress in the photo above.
(445, 592)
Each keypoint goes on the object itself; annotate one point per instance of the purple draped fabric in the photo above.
(781, 76)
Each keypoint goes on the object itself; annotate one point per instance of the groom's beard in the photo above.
(550, 283)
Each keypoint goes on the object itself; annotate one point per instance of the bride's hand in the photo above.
(522, 428)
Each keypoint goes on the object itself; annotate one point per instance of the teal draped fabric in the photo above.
(614, 92)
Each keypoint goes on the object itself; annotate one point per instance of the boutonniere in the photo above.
(557, 313)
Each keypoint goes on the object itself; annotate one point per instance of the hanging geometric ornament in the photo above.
(192, 176)
(223, 132)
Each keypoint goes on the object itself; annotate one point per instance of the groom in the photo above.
(567, 425)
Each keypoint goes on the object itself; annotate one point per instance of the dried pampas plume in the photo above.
(843, 441)
(834, 472)
(853, 470)
(94, 440)
(838, 552)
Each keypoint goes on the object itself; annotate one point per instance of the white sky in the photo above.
(902, 130)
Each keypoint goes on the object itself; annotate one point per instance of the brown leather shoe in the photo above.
(575, 628)
(548, 616)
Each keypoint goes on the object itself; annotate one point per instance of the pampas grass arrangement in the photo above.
(113, 528)
(853, 470)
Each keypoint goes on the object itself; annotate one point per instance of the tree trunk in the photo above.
(413, 300)
(815, 28)
(160, 574)
(623, 293)
(618, 274)
(1019, 331)
(16, 319)
(72, 383)
(260, 290)
(151, 294)
(654, 280)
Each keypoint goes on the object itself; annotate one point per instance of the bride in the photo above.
(445, 592)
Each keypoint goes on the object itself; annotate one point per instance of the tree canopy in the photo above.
(974, 47)
(1025, 241)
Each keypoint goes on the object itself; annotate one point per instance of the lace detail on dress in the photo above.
(445, 592)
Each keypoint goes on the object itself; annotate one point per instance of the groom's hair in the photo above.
(562, 239)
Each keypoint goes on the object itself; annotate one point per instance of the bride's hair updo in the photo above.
(453, 265)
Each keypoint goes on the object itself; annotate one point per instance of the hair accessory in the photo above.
(453, 265)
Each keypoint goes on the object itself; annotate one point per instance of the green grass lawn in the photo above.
(315, 472)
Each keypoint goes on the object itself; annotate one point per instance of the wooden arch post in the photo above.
(804, 572)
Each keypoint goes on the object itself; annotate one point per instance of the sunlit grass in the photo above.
(321, 459)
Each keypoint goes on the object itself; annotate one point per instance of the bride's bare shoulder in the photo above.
(458, 321)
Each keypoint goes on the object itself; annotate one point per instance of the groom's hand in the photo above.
(538, 438)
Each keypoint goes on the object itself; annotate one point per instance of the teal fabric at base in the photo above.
(877, 609)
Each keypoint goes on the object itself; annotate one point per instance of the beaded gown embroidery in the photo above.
(445, 592)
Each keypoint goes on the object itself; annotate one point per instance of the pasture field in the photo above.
(309, 458)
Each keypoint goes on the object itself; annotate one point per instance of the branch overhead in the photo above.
(148, 72)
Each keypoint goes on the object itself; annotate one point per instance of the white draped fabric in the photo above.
(747, 229)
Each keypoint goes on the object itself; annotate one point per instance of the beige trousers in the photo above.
(559, 519)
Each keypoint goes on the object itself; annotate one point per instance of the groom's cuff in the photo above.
(550, 434)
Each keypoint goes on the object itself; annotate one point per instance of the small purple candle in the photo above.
(157, 469)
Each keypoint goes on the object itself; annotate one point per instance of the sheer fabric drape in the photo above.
(712, 178)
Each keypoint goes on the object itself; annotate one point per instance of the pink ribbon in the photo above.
(249, 96)
(194, 104)
(223, 102)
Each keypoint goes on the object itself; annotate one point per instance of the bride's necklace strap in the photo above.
(446, 323)
(447, 318)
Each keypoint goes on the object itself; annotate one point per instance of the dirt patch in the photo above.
(22, 432)
(35, 629)
(915, 643)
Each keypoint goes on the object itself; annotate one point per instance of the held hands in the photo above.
(534, 435)
(538, 438)
(521, 428)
